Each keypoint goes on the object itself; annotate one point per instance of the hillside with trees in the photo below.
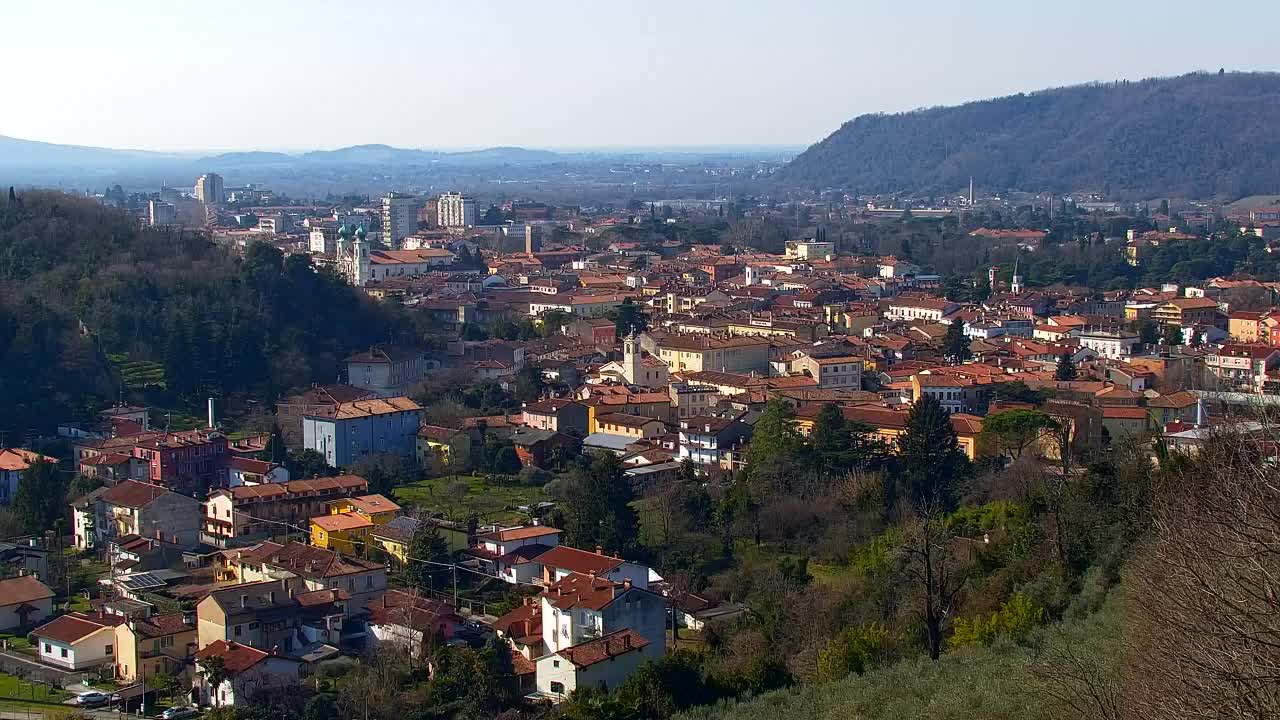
(92, 306)
(1198, 135)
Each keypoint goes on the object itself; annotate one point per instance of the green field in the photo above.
(14, 688)
(491, 502)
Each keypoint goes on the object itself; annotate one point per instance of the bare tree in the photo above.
(1205, 641)
(932, 565)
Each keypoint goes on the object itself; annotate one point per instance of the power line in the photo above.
(407, 558)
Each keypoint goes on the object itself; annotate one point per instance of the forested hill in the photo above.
(1199, 135)
(91, 304)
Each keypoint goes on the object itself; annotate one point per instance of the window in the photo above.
(239, 629)
(368, 581)
(253, 626)
(64, 652)
(109, 649)
(557, 687)
(47, 649)
(555, 663)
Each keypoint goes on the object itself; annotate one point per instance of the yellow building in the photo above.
(146, 647)
(342, 532)
(375, 508)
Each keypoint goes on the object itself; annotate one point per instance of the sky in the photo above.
(565, 74)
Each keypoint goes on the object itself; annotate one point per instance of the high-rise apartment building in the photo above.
(399, 217)
(454, 210)
(209, 189)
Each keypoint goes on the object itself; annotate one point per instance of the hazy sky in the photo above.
(286, 74)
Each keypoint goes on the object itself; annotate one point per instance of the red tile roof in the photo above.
(68, 628)
(236, 658)
(132, 494)
(579, 590)
(26, 588)
(603, 648)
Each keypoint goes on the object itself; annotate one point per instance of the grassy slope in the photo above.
(992, 683)
(492, 503)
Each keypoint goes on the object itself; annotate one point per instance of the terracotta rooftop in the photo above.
(519, 533)
(23, 589)
(603, 648)
(563, 557)
(236, 658)
(132, 494)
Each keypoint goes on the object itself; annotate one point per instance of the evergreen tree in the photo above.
(955, 343)
(1066, 369)
(1173, 335)
(630, 318)
(932, 463)
(774, 437)
(40, 497)
(427, 544)
(597, 504)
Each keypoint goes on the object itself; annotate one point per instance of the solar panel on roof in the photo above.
(140, 581)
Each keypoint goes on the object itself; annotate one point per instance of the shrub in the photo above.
(1015, 619)
(855, 650)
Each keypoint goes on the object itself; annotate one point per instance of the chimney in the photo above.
(599, 550)
(626, 641)
(212, 424)
(626, 583)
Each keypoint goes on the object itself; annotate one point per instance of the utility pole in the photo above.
(454, 568)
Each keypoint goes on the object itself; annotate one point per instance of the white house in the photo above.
(562, 561)
(247, 471)
(24, 601)
(512, 553)
(1108, 343)
(605, 662)
(248, 672)
(75, 642)
(387, 370)
(927, 309)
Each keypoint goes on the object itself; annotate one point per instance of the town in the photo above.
(607, 416)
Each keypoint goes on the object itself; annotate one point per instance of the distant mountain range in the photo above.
(17, 154)
(1199, 135)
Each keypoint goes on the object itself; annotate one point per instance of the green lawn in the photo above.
(18, 689)
(16, 642)
(490, 501)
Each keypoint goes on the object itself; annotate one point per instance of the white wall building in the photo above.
(454, 210)
(399, 217)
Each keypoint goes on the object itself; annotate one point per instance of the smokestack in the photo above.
(212, 424)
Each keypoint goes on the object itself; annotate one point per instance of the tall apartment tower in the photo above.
(161, 213)
(209, 189)
(399, 217)
(454, 210)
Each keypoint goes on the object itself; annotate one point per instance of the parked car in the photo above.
(92, 698)
(179, 712)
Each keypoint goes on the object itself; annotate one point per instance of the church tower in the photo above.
(1016, 286)
(632, 366)
(360, 272)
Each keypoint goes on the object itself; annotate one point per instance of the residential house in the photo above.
(249, 513)
(540, 448)
(316, 401)
(318, 569)
(601, 663)
(351, 431)
(830, 371)
(955, 394)
(347, 526)
(146, 510)
(560, 415)
(263, 614)
(388, 370)
(14, 462)
(636, 427)
(562, 561)
(249, 673)
(1245, 326)
(709, 440)
(690, 400)
(1183, 312)
(1180, 406)
(447, 446)
(586, 620)
(1242, 367)
(24, 601)
(406, 620)
(191, 461)
(150, 645)
(247, 471)
(1120, 422)
(76, 641)
(511, 553)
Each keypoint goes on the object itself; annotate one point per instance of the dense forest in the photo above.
(92, 307)
(1199, 135)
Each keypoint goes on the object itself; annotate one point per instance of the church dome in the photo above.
(360, 232)
(344, 231)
